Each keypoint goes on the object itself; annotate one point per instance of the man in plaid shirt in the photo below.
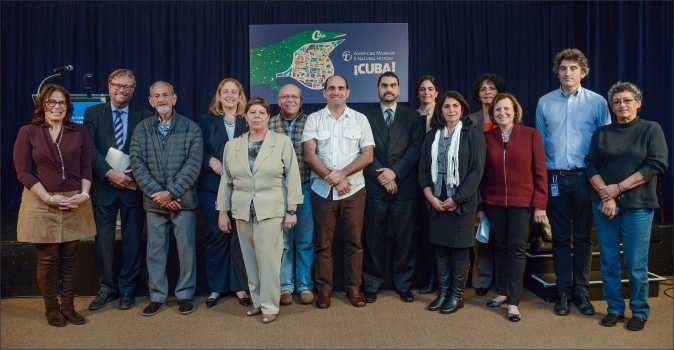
(298, 242)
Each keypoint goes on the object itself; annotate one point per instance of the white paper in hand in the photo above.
(119, 161)
(482, 234)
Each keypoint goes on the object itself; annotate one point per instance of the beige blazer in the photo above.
(271, 186)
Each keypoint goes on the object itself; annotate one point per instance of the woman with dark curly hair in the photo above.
(484, 91)
(53, 158)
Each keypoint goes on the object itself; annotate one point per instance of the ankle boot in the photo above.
(459, 274)
(444, 272)
(431, 286)
(69, 282)
(47, 280)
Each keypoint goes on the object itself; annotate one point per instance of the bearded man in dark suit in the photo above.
(392, 189)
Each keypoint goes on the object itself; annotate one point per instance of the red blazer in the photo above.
(523, 180)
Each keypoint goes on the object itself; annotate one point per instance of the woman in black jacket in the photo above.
(451, 166)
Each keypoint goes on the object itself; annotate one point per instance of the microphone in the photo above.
(61, 69)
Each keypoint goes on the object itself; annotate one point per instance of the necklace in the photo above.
(506, 134)
(58, 148)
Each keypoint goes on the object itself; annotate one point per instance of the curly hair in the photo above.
(498, 83)
(39, 118)
(573, 55)
(625, 87)
(516, 106)
(438, 121)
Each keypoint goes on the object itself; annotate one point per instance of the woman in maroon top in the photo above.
(514, 187)
(52, 157)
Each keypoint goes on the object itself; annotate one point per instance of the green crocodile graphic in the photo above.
(303, 57)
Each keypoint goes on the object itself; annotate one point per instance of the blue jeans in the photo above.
(298, 247)
(633, 226)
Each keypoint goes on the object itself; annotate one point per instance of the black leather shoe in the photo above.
(562, 305)
(245, 301)
(514, 317)
(153, 308)
(583, 304)
(481, 291)
(406, 296)
(494, 303)
(370, 297)
(102, 299)
(127, 301)
(210, 302)
(612, 319)
(636, 324)
(186, 306)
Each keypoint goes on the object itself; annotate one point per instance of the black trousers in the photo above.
(426, 249)
(572, 208)
(509, 231)
(401, 215)
(114, 278)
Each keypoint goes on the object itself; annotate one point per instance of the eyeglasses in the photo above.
(626, 101)
(290, 97)
(120, 86)
(52, 104)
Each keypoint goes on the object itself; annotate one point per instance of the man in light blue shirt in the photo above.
(566, 119)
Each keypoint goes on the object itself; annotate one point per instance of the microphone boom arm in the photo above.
(45, 79)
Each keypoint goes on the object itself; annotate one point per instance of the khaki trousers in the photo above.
(262, 247)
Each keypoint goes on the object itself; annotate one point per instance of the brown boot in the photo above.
(69, 312)
(68, 254)
(55, 318)
(47, 280)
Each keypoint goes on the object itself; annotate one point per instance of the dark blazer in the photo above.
(472, 151)
(98, 120)
(478, 119)
(215, 138)
(397, 149)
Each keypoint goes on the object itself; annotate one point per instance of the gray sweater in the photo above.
(619, 150)
(170, 162)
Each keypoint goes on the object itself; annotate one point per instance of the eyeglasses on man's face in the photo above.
(290, 97)
(120, 86)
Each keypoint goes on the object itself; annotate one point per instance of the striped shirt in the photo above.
(293, 129)
(338, 144)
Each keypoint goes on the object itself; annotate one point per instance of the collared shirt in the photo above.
(338, 144)
(125, 119)
(293, 129)
(566, 124)
(164, 129)
(428, 113)
(393, 108)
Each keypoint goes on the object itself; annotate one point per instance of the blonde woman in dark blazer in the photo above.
(261, 187)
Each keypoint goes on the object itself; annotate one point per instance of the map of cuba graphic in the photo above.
(304, 57)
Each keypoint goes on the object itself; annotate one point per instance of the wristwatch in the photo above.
(291, 212)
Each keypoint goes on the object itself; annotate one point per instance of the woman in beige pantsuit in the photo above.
(261, 187)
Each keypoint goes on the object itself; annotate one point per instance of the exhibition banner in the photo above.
(307, 54)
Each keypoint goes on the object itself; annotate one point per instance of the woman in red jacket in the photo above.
(514, 187)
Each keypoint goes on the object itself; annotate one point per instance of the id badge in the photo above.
(554, 190)
(554, 187)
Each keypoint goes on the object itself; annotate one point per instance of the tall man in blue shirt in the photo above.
(567, 118)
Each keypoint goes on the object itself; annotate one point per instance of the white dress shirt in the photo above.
(338, 144)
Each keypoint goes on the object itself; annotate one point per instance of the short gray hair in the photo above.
(297, 87)
(161, 82)
(622, 87)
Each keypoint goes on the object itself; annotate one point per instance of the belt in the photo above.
(577, 171)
